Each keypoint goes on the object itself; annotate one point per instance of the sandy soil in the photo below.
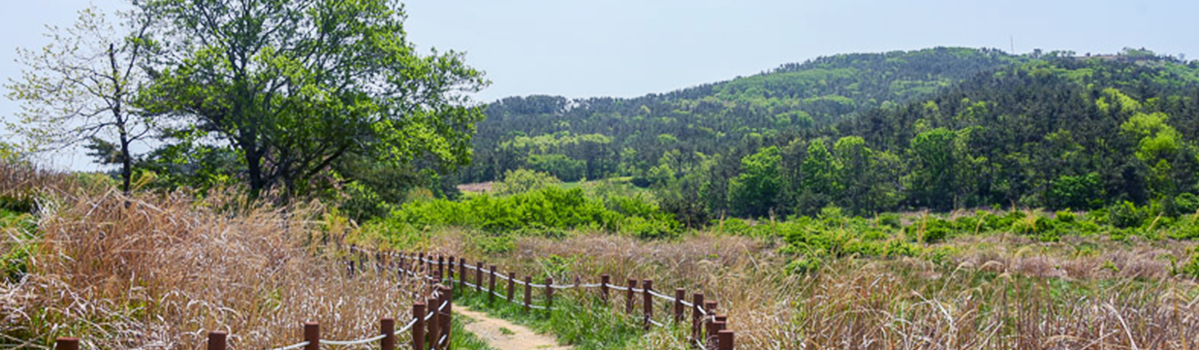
(504, 335)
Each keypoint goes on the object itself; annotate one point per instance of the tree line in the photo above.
(1055, 131)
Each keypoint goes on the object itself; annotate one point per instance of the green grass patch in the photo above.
(460, 338)
(583, 322)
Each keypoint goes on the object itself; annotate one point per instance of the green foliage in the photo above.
(21, 229)
(1126, 215)
(362, 203)
(296, 99)
(755, 190)
(558, 165)
(888, 134)
(522, 180)
(542, 211)
(10, 154)
(1075, 192)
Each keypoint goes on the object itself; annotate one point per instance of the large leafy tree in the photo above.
(296, 86)
(755, 190)
(80, 88)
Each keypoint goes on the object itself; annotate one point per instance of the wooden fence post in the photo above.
(629, 296)
(387, 327)
(604, 287)
(462, 272)
(549, 294)
(312, 335)
(680, 293)
(441, 275)
(217, 341)
(479, 276)
(66, 343)
(647, 303)
(512, 276)
(491, 283)
(697, 317)
(418, 330)
(717, 326)
(528, 292)
(710, 335)
(448, 292)
(420, 265)
(433, 332)
(450, 271)
(725, 340)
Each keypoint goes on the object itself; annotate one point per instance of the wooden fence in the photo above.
(430, 322)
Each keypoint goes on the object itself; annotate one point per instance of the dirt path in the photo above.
(504, 335)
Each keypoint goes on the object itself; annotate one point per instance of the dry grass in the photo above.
(886, 304)
(159, 272)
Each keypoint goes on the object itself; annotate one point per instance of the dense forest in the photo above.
(937, 129)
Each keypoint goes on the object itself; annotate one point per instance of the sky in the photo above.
(623, 48)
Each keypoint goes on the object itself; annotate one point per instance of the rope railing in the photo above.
(708, 328)
(432, 329)
(293, 346)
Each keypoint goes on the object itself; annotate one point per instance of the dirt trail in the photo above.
(504, 335)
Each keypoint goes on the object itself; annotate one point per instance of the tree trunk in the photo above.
(254, 172)
(126, 162)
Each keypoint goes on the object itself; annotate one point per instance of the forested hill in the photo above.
(938, 129)
(598, 137)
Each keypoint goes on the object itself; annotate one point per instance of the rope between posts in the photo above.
(407, 326)
(353, 342)
(661, 296)
(706, 315)
(293, 346)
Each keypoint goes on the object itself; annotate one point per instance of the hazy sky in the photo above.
(629, 48)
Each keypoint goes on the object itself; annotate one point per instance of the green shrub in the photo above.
(1126, 215)
(523, 180)
(1064, 216)
(15, 263)
(930, 230)
(889, 219)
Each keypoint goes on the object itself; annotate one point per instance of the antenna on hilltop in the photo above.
(1012, 47)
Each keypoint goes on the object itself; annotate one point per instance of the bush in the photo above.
(889, 219)
(523, 180)
(930, 230)
(1126, 215)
